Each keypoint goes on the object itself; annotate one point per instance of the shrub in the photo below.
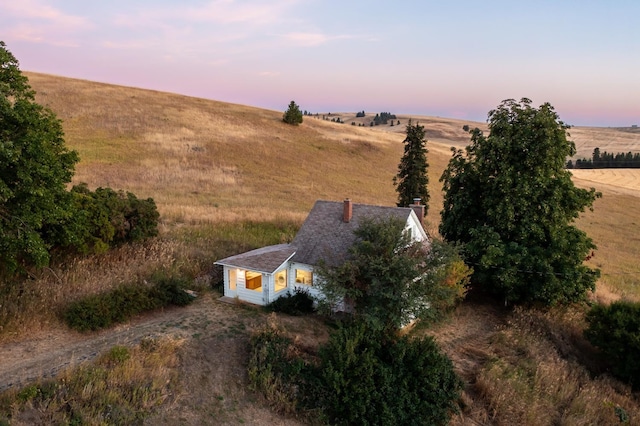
(299, 302)
(615, 330)
(362, 377)
(103, 310)
(171, 291)
(105, 218)
(276, 369)
(369, 379)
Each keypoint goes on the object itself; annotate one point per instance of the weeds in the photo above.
(122, 387)
(532, 379)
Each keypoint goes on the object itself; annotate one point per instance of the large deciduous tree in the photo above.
(292, 115)
(35, 167)
(37, 213)
(412, 178)
(390, 280)
(511, 203)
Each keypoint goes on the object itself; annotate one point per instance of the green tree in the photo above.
(390, 279)
(292, 115)
(412, 178)
(511, 203)
(35, 167)
(367, 379)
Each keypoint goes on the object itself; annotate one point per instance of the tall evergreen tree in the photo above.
(510, 202)
(412, 178)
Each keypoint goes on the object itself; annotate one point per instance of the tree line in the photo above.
(606, 160)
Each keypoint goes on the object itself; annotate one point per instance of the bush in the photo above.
(171, 291)
(299, 302)
(106, 218)
(615, 330)
(362, 377)
(276, 369)
(373, 380)
(103, 310)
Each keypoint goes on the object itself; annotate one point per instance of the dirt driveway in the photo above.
(213, 382)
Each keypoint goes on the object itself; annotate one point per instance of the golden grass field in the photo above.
(206, 162)
(213, 168)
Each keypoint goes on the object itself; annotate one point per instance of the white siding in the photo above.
(251, 296)
(272, 287)
(312, 289)
(417, 232)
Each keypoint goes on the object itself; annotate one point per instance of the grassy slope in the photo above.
(208, 164)
(205, 161)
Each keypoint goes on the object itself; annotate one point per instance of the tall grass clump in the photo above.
(533, 374)
(124, 386)
(276, 369)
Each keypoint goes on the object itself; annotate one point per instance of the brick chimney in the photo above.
(418, 209)
(347, 211)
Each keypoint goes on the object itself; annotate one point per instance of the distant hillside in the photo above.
(205, 161)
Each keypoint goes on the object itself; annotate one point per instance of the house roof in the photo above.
(266, 259)
(324, 235)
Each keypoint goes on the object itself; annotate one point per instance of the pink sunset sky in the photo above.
(457, 58)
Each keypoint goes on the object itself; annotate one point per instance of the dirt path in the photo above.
(467, 341)
(213, 386)
(46, 354)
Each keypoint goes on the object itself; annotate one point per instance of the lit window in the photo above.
(304, 277)
(253, 280)
(281, 280)
(233, 277)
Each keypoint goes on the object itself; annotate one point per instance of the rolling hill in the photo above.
(215, 167)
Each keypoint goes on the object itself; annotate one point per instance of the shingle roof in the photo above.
(266, 259)
(325, 236)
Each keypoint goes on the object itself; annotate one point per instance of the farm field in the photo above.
(614, 181)
(228, 178)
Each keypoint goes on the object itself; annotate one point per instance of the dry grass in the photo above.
(205, 161)
(35, 303)
(220, 173)
(122, 387)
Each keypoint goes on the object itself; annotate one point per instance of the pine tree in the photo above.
(292, 115)
(412, 178)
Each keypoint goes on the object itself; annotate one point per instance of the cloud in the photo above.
(269, 73)
(232, 11)
(35, 21)
(39, 11)
(314, 39)
(256, 13)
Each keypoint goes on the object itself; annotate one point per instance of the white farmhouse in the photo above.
(261, 276)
